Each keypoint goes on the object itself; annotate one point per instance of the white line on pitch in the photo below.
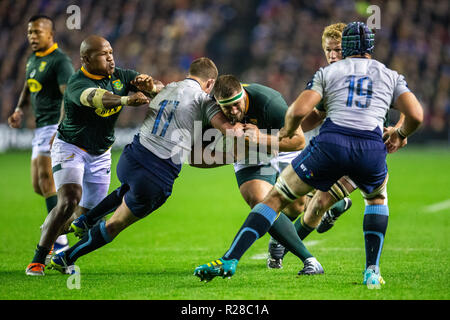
(437, 206)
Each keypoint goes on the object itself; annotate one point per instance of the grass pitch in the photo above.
(155, 258)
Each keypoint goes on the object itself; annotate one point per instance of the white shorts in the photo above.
(71, 164)
(283, 159)
(41, 141)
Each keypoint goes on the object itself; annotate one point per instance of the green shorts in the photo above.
(262, 172)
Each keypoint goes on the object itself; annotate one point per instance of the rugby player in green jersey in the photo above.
(81, 156)
(47, 71)
(262, 111)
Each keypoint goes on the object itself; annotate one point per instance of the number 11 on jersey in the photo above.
(165, 104)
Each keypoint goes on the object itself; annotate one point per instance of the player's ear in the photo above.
(84, 59)
(210, 84)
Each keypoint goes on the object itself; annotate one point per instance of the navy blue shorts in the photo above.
(338, 152)
(148, 178)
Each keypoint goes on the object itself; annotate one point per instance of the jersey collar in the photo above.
(47, 52)
(92, 76)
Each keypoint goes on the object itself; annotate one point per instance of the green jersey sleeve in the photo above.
(276, 108)
(75, 89)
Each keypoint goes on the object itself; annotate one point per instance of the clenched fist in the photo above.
(15, 120)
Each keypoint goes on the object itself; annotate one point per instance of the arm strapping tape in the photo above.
(97, 99)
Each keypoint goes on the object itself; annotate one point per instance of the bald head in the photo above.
(91, 44)
(97, 55)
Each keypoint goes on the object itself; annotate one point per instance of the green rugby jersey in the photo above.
(267, 107)
(88, 128)
(45, 72)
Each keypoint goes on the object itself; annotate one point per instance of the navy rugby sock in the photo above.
(106, 206)
(255, 226)
(374, 226)
(96, 238)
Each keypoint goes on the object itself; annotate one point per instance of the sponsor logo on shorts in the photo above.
(308, 173)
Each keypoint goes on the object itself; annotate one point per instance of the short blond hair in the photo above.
(333, 31)
(204, 68)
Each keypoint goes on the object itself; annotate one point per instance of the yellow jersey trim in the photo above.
(92, 76)
(47, 52)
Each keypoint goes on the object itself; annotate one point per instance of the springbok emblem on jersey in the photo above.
(118, 85)
(42, 66)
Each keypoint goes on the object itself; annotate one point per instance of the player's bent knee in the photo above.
(67, 206)
(295, 208)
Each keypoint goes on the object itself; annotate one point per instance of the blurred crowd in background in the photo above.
(272, 42)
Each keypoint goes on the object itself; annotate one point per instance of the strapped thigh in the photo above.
(381, 190)
(282, 187)
(338, 191)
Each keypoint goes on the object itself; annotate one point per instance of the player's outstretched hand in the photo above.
(137, 99)
(392, 140)
(15, 120)
(143, 82)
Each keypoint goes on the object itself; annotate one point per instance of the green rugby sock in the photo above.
(285, 233)
(303, 230)
(40, 254)
(51, 202)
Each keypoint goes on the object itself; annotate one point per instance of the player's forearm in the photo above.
(312, 120)
(295, 143)
(24, 99)
(409, 105)
(409, 126)
(111, 100)
(301, 107)
(400, 121)
(292, 120)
